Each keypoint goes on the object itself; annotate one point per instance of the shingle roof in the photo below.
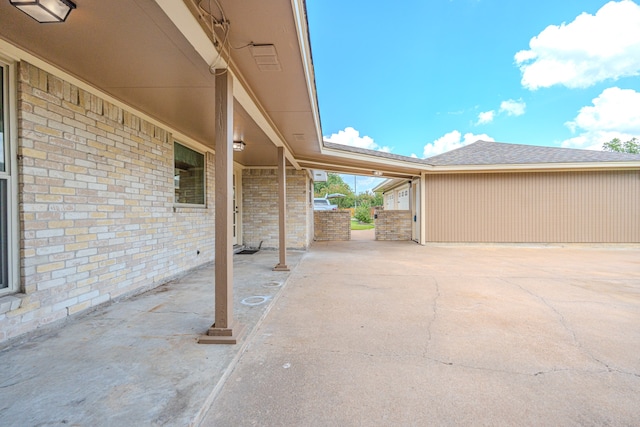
(499, 153)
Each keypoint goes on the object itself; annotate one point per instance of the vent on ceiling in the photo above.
(266, 57)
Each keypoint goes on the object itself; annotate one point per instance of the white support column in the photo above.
(423, 209)
(282, 210)
(223, 331)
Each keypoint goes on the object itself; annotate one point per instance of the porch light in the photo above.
(45, 11)
(238, 145)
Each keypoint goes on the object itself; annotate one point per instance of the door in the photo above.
(235, 212)
(415, 210)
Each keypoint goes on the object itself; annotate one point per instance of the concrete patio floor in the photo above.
(136, 362)
(359, 333)
(394, 334)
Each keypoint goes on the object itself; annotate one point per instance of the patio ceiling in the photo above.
(140, 55)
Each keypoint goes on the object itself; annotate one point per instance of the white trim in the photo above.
(11, 137)
(331, 167)
(536, 167)
(190, 28)
(186, 23)
(299, 12)
(375, 159)
(423, 209)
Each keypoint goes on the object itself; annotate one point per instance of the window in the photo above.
(7, 228)
(188, 176)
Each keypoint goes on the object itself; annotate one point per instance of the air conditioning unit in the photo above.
(319, 176)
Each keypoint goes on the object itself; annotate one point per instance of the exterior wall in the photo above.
(96, 193)
(393, 225)
(332, 225)
(594, 207)
(260, 208)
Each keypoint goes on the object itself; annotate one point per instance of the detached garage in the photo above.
(497, 192)
(534, 207)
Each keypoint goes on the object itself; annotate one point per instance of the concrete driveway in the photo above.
(391, 333)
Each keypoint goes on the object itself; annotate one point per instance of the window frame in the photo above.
(10, 174)
(204, 178)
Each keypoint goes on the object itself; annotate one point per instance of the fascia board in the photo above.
(373, 159)
(535, 167)
(302, 30)
(186, 23)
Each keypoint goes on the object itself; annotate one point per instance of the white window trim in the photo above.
(11, 132)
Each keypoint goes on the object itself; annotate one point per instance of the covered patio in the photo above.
(358, 333)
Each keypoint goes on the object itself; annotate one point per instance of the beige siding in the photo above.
(534, 207)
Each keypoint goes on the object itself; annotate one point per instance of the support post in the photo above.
(223, 331)
(423, 209)
(282, 210)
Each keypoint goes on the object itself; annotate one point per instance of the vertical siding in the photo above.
(581, 207)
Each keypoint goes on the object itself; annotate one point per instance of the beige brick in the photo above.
(44, 268)
(79, 307)
(63, 190)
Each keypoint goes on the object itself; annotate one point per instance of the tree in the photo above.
(334, 184)
(370, 198)
(363, 213)
(631, 146)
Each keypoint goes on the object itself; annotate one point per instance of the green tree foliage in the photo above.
(370, 198)
(363, 213)
(335, 184)
(631, 146)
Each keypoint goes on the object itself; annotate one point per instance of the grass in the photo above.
(357, 225)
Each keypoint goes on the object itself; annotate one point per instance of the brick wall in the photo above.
(332, 225)
(260, 208)
(96, 207)
(393, 225)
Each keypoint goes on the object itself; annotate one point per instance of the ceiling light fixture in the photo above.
(45, 11)
(238, 145)
(377, 173)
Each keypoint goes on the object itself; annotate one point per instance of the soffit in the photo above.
(131, 50)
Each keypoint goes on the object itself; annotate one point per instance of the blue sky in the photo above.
(423, 77)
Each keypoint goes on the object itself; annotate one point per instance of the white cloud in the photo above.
(615, 113)
(591, 49)
(512, 107)
(451, 141)
(486, 117)
(350, 136)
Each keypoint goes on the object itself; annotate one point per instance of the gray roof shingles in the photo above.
(500, 153)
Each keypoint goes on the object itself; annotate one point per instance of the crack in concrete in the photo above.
(567, 327)
(434, 315)
(563, 321)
